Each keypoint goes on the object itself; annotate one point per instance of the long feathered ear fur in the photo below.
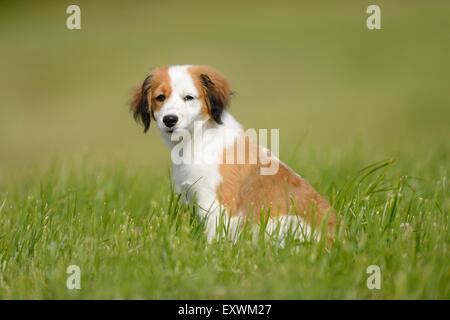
(217, 93)
(140, 106)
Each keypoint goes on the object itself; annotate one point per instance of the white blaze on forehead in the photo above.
(181, 81)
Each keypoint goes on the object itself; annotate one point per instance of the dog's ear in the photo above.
(217, 92)
(140, 105)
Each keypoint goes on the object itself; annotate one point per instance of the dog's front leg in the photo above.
(210, 215)
(219, 223)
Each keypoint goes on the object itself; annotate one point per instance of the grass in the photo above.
(80, 184)
(134, 240)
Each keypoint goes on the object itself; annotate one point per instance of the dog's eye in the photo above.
(160, 98)
(188, 98)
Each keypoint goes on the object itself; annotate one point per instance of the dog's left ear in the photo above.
(140, 105)
(217, 92)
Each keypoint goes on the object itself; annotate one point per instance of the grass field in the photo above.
(363, 115)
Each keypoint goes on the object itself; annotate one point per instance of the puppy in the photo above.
(217, 165)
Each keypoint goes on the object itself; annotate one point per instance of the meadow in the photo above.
(363, 116)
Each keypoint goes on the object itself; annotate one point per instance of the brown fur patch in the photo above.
(160, 84)
(244, 191)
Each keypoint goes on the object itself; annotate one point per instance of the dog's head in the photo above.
(177, 96)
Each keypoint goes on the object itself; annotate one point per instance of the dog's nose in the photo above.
(170, 120)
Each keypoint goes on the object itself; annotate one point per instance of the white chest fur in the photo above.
(197, 182)
(197, 176)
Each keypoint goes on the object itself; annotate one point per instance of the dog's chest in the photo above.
(197, 181)
(199, 178)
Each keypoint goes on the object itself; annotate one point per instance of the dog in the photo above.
(181, 98)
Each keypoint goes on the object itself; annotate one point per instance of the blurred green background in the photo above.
(342, 96)
(311, 69)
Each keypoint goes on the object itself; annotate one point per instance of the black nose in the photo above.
(170, 120)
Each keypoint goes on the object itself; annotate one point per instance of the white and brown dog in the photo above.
(180, 98)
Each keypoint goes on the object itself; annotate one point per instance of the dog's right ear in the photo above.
(140, 106)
